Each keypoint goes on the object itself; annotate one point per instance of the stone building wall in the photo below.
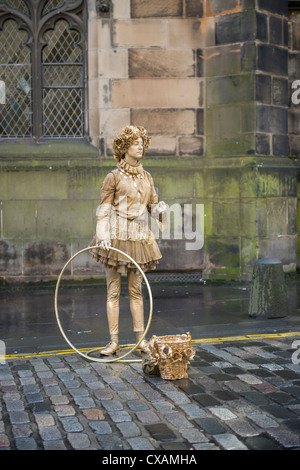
(294, 83)
(254, 210)
(145, 64)
(294, 101)
(210, 81)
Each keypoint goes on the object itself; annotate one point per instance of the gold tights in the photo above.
(134, 282)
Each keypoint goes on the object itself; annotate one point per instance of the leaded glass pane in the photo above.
(62, 75)
(62, 85)
(49, 101)
(63, 112)
(62, 44)
(15, 75)
(54, 4)
(18, 5)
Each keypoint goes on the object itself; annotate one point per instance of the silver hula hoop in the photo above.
(86, 356)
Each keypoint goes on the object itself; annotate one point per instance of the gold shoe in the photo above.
(143, 347)
(110, 349)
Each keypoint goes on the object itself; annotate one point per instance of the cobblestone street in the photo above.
(240, 394)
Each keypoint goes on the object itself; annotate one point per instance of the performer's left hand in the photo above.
(161, 207)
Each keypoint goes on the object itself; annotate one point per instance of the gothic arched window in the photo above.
(42, 69)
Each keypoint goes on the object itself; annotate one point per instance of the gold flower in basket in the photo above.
(171, 354)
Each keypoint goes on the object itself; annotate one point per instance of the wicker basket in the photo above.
(172, 355)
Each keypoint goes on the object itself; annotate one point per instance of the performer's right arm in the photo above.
(103, 211)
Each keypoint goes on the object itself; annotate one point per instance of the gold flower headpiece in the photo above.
(127, 137)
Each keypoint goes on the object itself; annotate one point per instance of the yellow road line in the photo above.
(245, 337)
(196, 341)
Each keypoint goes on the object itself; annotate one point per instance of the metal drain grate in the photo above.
(175, 277)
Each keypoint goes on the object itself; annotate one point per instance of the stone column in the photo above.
(294, 88)
(247, 79)
(106, 63)
(252, 187)
(294, 82)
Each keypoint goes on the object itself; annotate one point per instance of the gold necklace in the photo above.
(126, 174)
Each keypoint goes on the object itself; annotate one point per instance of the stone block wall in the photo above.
(48, 206)
(248, 67)
(211, 81)
(294, 79)
(246, 128)
(272, 79)
(294, 101)
(147, 70)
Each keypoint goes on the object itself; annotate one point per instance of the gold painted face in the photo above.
(135, 151)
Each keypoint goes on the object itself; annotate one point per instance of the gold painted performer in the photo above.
(128, 199)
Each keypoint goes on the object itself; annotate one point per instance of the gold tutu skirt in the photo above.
(144, 252)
